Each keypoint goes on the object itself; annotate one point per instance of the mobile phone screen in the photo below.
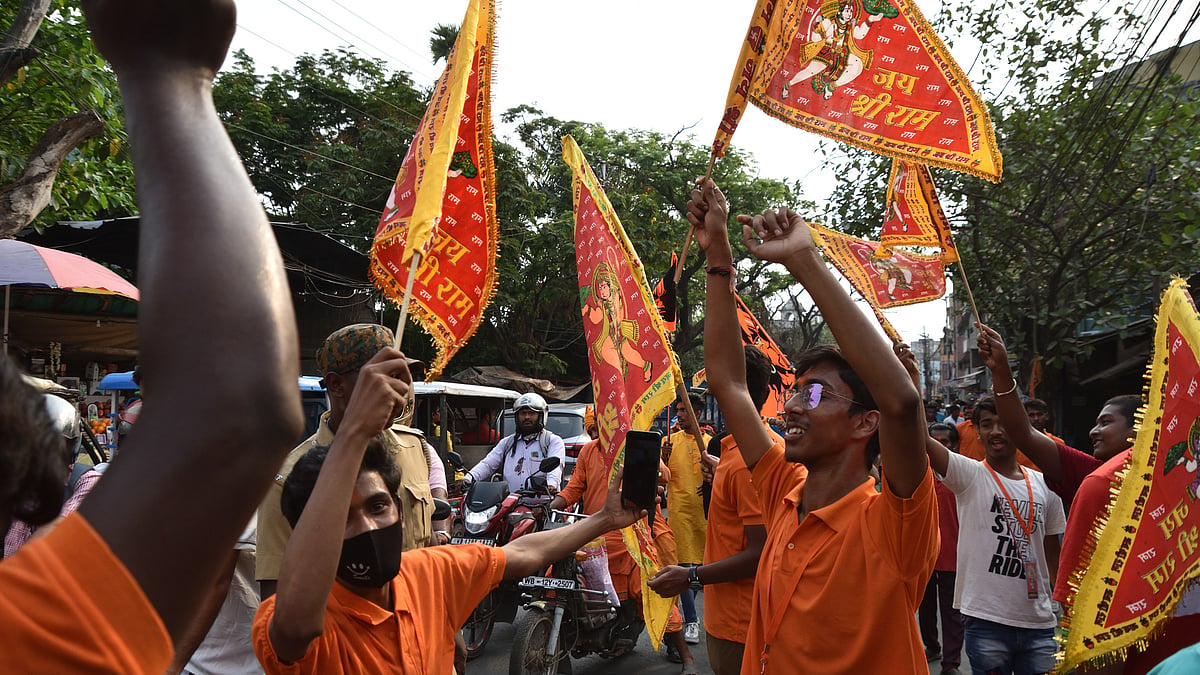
(640, 484)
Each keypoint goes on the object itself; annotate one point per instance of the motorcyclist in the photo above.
(517, 456)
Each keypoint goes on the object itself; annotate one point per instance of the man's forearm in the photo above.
(740, 565)
(534, 552)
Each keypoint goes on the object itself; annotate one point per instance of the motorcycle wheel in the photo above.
(530, 637)
(478, 629)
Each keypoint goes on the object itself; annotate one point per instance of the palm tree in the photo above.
(442, 41)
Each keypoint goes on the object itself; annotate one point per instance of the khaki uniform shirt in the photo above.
(416, 501)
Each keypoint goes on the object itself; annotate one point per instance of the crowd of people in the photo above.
(833, 546)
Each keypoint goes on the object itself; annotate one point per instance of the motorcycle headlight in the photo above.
(477, 521)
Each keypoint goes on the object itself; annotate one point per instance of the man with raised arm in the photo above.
(844, 568)
(348, 599)
(160, 525)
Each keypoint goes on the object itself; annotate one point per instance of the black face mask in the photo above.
(372, 559)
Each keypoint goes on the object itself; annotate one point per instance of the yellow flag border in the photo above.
(934, 46)
(1177, 307)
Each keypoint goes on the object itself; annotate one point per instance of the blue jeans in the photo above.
(996, 649)
(688, 600)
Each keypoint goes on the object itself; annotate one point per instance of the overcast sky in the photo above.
(663, 65)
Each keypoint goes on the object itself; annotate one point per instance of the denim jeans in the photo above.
(996, 649)
(688, 600)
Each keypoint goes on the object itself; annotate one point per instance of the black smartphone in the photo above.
(640, 484)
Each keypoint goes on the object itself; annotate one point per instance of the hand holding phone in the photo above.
(641, 468)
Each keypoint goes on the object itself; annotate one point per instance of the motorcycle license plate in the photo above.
(486, 541)
(550, 582)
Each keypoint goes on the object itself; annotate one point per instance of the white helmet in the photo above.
(533, 402)
(65, 418)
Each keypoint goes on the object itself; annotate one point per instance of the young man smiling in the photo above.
(843, 568)
(347, 600)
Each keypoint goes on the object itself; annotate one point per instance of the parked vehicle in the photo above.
(565, 618)
(493, 516)
(565, 420)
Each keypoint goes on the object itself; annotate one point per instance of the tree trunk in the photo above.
(24, 199)
(14, 49)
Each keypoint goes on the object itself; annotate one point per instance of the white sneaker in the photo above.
(691, 633)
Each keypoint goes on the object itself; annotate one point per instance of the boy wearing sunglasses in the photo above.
(844, 568)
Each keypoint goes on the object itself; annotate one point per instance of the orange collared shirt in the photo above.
(433, 595)
(865, 561)
(734, 506)
(68, 605)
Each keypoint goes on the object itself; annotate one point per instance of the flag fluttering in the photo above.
(665, 298)
(1146, 552)
(871, 73)
(634, 373)
(783, 376)
(442, 207)
(914, 215)
(902, 278)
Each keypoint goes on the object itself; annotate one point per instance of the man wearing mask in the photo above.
(517, 456)
(340, 359)
(348, 600)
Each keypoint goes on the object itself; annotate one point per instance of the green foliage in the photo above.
(68, 76)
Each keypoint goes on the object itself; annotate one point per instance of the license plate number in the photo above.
(549, 582)
(486, 541)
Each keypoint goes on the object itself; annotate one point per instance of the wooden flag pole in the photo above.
(690, 416)
(412, 276)
(687, 241)
(975, 310)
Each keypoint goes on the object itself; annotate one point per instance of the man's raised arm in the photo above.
(724, 354)
(784, 237)
(216, 329)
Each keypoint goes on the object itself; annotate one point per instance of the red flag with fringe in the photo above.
(914, 216)
(634, 372)
(871, 73)
(443, 205)
(899, 279)
(1146, 548)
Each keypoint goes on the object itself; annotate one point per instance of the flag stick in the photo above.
(685, 404)
(887, 325)
(412, 276)
(687, 241)
(963, 273)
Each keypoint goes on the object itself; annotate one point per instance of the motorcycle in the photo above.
(566, 616)
(493, 516)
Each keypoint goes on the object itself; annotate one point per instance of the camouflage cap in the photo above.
(350, 348)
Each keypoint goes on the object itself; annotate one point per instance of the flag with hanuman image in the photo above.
(442, 207)
(871, 73)
(634, 372)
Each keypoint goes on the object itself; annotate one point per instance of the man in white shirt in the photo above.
(517, 456)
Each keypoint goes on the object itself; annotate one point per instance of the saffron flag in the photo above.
(1147, 550)
(443, 204)
(665, 298)
(914, 216)
(783, 376)
(902, 278)
(634, 373)
(871, 73)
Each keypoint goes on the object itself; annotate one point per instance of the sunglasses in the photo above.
(811, 394)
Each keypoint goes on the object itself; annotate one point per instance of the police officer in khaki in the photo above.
(339, 358)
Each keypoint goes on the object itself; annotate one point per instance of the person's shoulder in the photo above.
(405, 430)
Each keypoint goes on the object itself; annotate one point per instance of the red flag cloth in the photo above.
(664, 296)
(783, 375)
(914, 216)
(871, 73)
(900, 279)
(1146, 548)
(456, 277)
(634, 373)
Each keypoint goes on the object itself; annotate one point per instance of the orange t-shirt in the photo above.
(734, 505)
(863, 563)
(969, 445)
(68, 605)
(434, 593)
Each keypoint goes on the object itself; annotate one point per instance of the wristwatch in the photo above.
(694, 578)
